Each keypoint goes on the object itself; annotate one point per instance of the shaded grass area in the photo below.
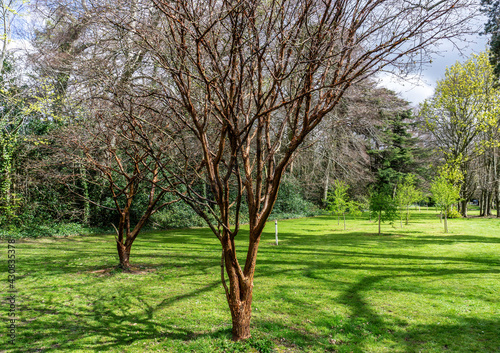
(322, 289)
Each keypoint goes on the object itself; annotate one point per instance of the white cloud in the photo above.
(416, 88)
(20, 44)
(413, 88)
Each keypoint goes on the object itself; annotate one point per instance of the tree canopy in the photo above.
(465, 105)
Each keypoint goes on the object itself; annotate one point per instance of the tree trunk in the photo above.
(344, 221)
(379, 221)
(125, 237)
(485, 204)
(240, 291)
(497, 181)
(86, 202)
(241, 314)
(124, 255)
(497, 202)
(407, 214)
(481, 204)
(327, 182)
(464, 208)
(6, 22)
(446, 221)
(488, 203)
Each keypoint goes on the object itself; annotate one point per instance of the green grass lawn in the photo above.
(322, 289)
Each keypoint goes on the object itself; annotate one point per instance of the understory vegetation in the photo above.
(322, 289)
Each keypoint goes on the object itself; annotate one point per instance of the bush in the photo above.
(291, 203)
(454, 214)
(176, 215)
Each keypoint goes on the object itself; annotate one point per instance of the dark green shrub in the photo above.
(176, 215)
(291, 203)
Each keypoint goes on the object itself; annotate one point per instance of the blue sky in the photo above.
(417, 87)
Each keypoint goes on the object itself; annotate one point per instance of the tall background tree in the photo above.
(13, 103)
(463, 109)
(339, 148)
(492, 27)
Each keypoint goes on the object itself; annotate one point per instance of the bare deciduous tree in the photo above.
(248, 81)
(337, 148)
(113, 152)
(251, 79)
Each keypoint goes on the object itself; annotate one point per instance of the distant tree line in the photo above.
(72, 85)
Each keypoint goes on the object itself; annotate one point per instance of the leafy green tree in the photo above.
(445, 193)
(13, 110)
(23, 109)
(406, 195)
(12, 104)
(8, 146)
(382, 206)
(466, 103)
(339, 202)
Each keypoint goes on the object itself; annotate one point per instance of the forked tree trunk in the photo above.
(240, 303)
(124, 255)
(125, 236)
(239, 294)
(241, 313)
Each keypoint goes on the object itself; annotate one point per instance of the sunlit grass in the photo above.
(414, 289)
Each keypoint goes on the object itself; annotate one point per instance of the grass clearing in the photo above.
(322, 289)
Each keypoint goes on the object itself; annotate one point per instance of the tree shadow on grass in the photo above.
(100, 321)
(450, 239)
(467, 335)
(104, 323)
(364, 329)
